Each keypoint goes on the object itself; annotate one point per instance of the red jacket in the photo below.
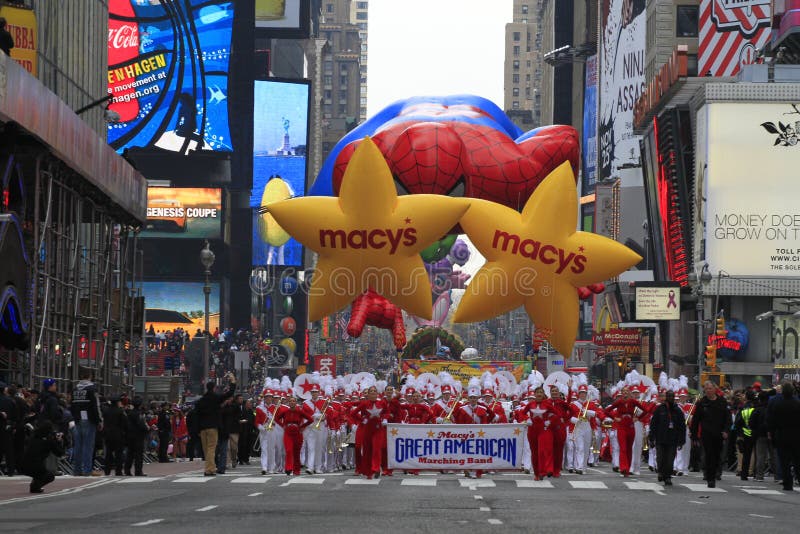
(469, 415)
(418, 414)
(291, 419)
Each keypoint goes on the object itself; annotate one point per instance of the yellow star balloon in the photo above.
(368, 236)
(537, 259)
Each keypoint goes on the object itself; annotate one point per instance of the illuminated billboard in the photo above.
(171, 305)
(285, 18)
(168, 74)
(280, 136)
(191, 212)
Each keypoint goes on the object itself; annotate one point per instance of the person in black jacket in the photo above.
(209, 420)
(85, 409)
(43, 442)
(137, 431)
(24, 416)
(783, 421)
(758, 423)
(8, 422)
(115, 430)
(246, 431)
(710, 424)
(164, 430)
(667, 435)
(193, 447)
(48, 407)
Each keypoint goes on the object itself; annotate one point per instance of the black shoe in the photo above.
(220, 472)
(615, 469)
(660, 478)
(209, 474)
(719, 477)
(668, 482)
(743, 478)
(288, 473)
(263, 472)
(787, 488)
(36, 490)
(712, 484)
(650, 467)
(128, 474)
(140, 475)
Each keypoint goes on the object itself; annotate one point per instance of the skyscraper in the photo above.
(523, 68)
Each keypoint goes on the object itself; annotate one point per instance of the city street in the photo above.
(242, 500)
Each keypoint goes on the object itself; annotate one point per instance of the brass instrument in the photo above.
(594, 447)
(322, 416)
(272, 419)
(584, 411)
(331, 442)
(343, 439)
(646, 442)
(691, 412)
(453, 407)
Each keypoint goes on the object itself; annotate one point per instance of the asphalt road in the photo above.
(244, 501)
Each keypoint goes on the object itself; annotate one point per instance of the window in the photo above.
(342, 94)
(691, 65)
(528, 63)
(361, 15)
(516, 50)
(363, 100)
(327, 94)
(516, 36)
(686, 23)
(362, 26)
(515, 78)
(515, 91)
(527, 77)
(516, 64)
(515, 104)
(361, 5)
(525, 9)
(327, 80)
(342, 109)
(329, 8)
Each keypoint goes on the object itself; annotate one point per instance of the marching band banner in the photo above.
(455, 446)
(463, 371)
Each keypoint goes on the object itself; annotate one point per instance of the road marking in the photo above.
(761, 492)
(256, 494)
(485, 509)
(147, 523)
(495, 522)
(138, 480)
(363, 482)
(539, 484)
(250, 480)
(696, 502)
(598, 471)
(206, 508)
(67, 491)
(647, 486)
(303, 480)
(703, 488)
(476, 483)
(588, 484)
(762, 516)
(478, 497)
(197, 480)
(418, 482)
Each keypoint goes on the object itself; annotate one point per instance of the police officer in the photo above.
(137, 431)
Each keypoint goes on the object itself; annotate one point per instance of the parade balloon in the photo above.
(288, 326)
(288, 305)
(537, 259)
(288, 285)
(289, 344)
(269, 230)
(368, 237)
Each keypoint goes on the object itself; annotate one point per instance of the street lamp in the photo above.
(701, 278)
(207, 259)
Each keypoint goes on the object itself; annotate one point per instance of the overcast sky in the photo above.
(435, 47)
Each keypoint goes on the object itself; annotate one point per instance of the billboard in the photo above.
(280, 136)
(281, 14)
(191, 212)
(658, 301)
(168, 74)
(731, 34)
(170, 305)
(589, 144)
(21, 24)
(752, 230)
(622, 64)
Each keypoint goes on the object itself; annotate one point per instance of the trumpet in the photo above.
(594, 447)
(331, 442)
(343, 439)
(584, 411)
(453, 408)
(272, 419)
(691, 412)
(324, 409)
(646, 442)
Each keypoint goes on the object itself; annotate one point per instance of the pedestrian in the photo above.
(223, 435)
(19, 435)
(193, 445)
(783, 421)
(180, 435)
(136, 434)
(233, 420)
(89, 419)
(209, 419)
(667, 435)
(246, 431)
(710, 425)
(48, 407)
(6, 40)
(293, 420)
(164, 430)
(8, 422)
(115, 428)
(758, 423)
(41, 457)
(745, 441)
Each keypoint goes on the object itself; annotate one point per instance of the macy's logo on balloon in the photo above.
(547, 254)
(363, 239)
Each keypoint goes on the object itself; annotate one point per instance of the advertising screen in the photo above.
(170, 305)
(589, 142)
(280, 135)
(732, 34)
(279, 14)
(622, 62)
(168, 74)
(191, 212)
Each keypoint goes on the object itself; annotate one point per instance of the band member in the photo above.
(417, 412)
(683, 456)
(624, 410)
(371, 413)
(445, 406)
(558, 427)
(293, 420)
(538, 414)
(519, 415)
(316, 434)
(472, 413)
(584, 417)
(269, 432)
(395, 413)
(497, 413)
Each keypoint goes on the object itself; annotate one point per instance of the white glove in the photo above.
(364, 421)
(590, 413)
(439, 420)
(261, 427)
(71, 425)
(546, 424)
(384, 422)
(528, 422)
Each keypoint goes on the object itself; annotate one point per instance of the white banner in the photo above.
(752, 218)
(490, 447)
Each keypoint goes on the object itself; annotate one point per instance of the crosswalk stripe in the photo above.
(703, 488)
(539, 484)
(250, 480)
(418, 482)
(476, 483)
(193, 479)
(762, 492)
(139, 480)
(303, 480)
(147, 523)
(587, 484)
(647, 486)
(362, 482)
(206, 508)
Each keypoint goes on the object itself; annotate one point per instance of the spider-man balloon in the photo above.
(455, 145)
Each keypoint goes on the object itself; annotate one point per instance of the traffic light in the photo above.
(711, 356)
(721, 332)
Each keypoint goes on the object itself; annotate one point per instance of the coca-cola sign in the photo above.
(167, 74)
